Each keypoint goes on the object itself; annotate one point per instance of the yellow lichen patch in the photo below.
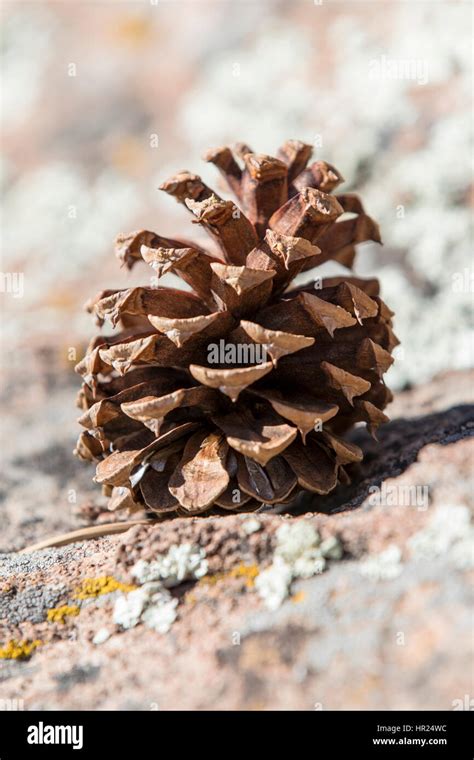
(132, 30)
(18, 650)
(247, 572)
(90, 588)
(190, 598)
(59, 614)
(211, 580)
(298, 597)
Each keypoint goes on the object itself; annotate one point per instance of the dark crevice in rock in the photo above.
(399, 444)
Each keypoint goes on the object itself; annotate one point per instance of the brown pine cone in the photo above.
(235, 393)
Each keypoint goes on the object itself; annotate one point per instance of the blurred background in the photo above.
(101, 101)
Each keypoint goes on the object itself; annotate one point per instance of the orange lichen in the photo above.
(190, 598)
(91, 588)
(18, 650)
(59, 614)
(247, 572)
(298, 597)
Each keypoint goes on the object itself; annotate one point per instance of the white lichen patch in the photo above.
(310, 563)
(296, 539)
(102, 635)
(151, 604)
(251, 525)
(273, 584)
(128, 608)
(331, 548)
(180, 563)
(462, 554)
(161, 614)
(449, 533)
(299, 553)
(383, 566)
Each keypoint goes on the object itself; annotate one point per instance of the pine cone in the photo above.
(236, 393)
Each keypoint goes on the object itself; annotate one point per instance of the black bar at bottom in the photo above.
(424, 734)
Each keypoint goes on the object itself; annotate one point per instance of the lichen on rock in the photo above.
(450, 532)
(151, 604)
(91, 588)
(383, 566)
(18, 650)
(299, 553)
(182, 562)
(59, 614)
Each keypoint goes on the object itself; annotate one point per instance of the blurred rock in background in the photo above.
(102, 101)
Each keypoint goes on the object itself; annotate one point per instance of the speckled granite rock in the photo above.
(386, 626)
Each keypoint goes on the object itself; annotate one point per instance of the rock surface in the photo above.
(387, 626)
